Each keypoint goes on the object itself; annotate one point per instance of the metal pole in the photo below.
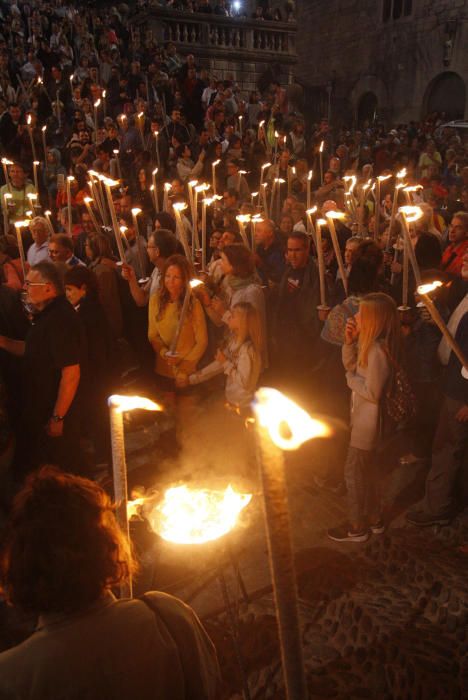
(276, 510)
(119, 467)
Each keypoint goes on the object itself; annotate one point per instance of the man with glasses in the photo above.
(452, 259)
(53, 353)
(61, 250)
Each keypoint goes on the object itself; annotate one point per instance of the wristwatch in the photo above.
(57, 419)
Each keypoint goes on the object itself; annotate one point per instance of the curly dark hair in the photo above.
(63, 547)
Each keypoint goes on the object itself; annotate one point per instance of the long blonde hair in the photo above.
(379, 321)
(253, 326)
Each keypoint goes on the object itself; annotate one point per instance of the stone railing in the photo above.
(223, 37)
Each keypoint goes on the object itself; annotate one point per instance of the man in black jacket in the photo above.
(53, 354)
(296, 330)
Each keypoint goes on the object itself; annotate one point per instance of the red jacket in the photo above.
(452, 259)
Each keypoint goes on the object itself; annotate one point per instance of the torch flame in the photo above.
(428, 288)
(179, 206)
(88, 200)
(254, 194)
(195, 283)
(381, 178)
(274, 410)
(97, 103)
(216, 162)
(413, 188)
(312, 210)
(411, 213)
(321, 146)
(192, 183)
(401, 174)
(168, 186)
(155, 171)
(136, 211)
(335, 215)
(195, 516)
(28, 120)
(22, 224)
(243, 218)
(321, 222)
(266, 165)
(130, 403)
(309, 175)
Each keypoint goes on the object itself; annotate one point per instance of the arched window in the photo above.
(386, 10)
(396, 9)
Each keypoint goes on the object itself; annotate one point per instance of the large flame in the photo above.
(275, 411)
(428, 288)
(411, 213)
(195, 516)
(335, 214)
(130, 403)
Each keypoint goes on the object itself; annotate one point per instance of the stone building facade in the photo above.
(394, 60)
(252, 53)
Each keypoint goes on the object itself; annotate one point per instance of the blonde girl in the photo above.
(240, 359)
(372, 347)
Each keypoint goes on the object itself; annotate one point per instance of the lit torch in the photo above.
(331, 216)
(408, 215)
(282, 425)
(243, 219)
(188, 293)
(378, 196)
(118, 405)
(424, 291)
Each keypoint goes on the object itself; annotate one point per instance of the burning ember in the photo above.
(195, 516)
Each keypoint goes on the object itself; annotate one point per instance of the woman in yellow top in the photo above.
(163, 317)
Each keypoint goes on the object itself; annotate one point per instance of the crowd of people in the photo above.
(126, 168)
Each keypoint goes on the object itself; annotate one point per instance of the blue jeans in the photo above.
(362, 485)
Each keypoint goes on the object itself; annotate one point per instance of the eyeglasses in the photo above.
(28, 284)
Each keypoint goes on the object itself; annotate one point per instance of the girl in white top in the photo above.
(370, 351)
(240, 359)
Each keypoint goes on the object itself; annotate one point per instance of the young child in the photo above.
(239, 360)
(372, 337)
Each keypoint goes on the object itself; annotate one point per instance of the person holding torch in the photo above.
(177, 332)
(451, 436)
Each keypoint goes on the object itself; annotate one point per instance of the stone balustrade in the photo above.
(223, 37)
